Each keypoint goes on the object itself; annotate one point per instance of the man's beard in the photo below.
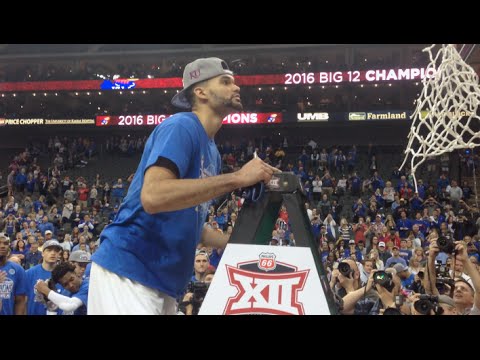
(230, 103)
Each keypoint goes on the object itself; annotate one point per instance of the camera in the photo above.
(446, 245)
(440, 285)
(426, 303)
(441, 270)
(199, 290)
(345, 269)
(384, 279)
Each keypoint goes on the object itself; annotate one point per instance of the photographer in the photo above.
(391, 301)
(346, 283)
(430, 276)
(466, 296)
(193, 299)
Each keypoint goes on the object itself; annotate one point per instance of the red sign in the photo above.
(330, 77)
(152, 120)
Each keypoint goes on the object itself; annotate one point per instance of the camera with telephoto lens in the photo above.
(345, 269)
(384, 279)
(442, 273)
(426, 303)
(199, 290)
(446, 244)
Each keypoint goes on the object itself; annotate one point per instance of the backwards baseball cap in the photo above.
(399, 267)
(80, 256)
(445, 299)
(199, 70)
(51, 243)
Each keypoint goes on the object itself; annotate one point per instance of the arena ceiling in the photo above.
(27, 52)
(11, 51)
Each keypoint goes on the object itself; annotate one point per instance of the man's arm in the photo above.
(3, 276)
(63, 302)
(162, 191)
(20, 305)
(214, 238)
(430, 275)
(352, 297)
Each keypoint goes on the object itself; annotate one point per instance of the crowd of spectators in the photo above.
(358, 217)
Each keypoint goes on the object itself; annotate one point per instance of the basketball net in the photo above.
(445, 110)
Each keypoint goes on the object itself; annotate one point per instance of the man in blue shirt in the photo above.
(146, 255)
(51, 255)
(12, 282)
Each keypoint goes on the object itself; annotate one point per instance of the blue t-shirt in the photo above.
(87, 271)
(158, 250)
(34, 305)
(14, 285)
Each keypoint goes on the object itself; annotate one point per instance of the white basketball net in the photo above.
(445, 110)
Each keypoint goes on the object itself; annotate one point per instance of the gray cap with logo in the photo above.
(52, 243)
(80, 256)
(197, 71)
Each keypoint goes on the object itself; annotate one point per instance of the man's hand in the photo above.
(42, 287)
(188, 308)
(461, 254)
(433, 249)
(346, 282)
(370, 280)
(255, 171)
